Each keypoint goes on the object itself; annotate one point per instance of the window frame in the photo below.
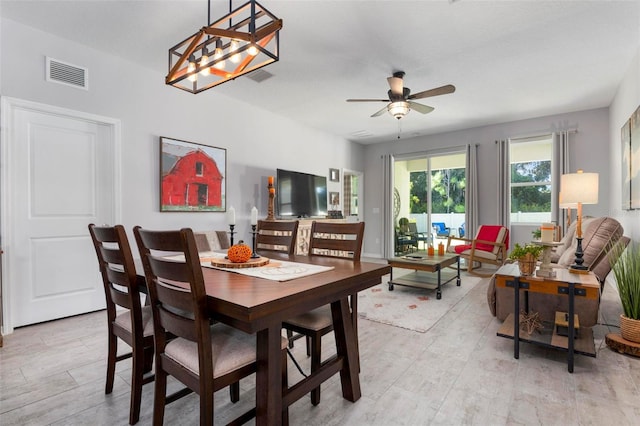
(546, 140)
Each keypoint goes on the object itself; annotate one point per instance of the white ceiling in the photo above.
(509, 60)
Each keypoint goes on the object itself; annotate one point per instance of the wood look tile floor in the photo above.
(458, 373)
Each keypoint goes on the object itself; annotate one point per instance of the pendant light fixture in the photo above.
(252, 42)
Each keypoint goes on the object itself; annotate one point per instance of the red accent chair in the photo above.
(490, 245)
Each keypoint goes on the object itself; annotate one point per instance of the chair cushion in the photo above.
(124, 321)
(230, 349)
(602, 267)
(566, 242)
(315, 320)
(599, 234)
(567, 254)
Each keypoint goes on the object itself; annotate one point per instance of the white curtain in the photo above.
(504, 195)
(471, 194)
(562, 166)
(388, 248)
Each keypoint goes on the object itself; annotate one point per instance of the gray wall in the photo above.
(626, 101)
(257, 141)
(589, 151)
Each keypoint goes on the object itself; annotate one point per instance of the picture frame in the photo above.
(192, 176)
(630, 148)
(334, 199)
(334, 175)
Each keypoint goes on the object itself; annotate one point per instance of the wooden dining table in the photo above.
(259, 306)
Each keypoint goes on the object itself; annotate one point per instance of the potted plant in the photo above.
(537, 234)
(626, 271)
(527, 256)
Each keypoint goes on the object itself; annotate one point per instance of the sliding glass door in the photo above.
(430, 193)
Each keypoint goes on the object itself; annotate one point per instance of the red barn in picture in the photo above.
(194, 180)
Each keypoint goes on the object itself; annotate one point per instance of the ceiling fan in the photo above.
(401, 101)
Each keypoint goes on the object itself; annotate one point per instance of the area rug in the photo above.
(411, 308)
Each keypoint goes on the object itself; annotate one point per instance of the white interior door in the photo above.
(60, 170)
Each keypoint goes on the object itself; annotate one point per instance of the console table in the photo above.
(563, 284)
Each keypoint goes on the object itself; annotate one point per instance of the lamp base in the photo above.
(578, 269)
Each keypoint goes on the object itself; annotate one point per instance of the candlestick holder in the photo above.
(272, 195)
(254, 255)
(231, 234)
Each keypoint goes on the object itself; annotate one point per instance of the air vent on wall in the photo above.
(68, 74)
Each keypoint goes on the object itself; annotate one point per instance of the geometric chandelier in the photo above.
(240, 42)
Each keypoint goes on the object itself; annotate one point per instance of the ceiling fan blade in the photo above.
(379, 113)
(423, 109)
(367, 100)
(396, 85)
(449, 88)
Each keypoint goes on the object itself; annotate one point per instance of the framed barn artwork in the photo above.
(192, 177)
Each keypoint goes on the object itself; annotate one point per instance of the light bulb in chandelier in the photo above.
(203, 62)
(217, 54)
(233, 47)
(193, 76)
(252, 50)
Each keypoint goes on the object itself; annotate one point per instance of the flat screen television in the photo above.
(300, 195)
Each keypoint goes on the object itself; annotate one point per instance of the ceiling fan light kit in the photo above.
(398, 109)
(224, 50)
(401, 100)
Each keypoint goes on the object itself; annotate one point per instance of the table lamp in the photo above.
(567, 206)
(577, 189)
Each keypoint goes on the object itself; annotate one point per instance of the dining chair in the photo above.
(135, 325)
(277, 236)
(202, 356)
(337, 240)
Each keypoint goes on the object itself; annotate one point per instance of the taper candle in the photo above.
(231, 216)
(270, 180)
(254, 216)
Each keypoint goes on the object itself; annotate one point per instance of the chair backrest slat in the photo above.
(120, 298)
(277, 236)
(341, 240)
(178, 298)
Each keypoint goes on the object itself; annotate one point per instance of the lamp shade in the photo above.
(564, 205)
(579, 187)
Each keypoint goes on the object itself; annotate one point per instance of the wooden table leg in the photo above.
(269, 376)
(571, 330)
(347, 349)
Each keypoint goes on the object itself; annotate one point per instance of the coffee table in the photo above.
(424, 267)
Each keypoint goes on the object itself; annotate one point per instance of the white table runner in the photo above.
(275, 270)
